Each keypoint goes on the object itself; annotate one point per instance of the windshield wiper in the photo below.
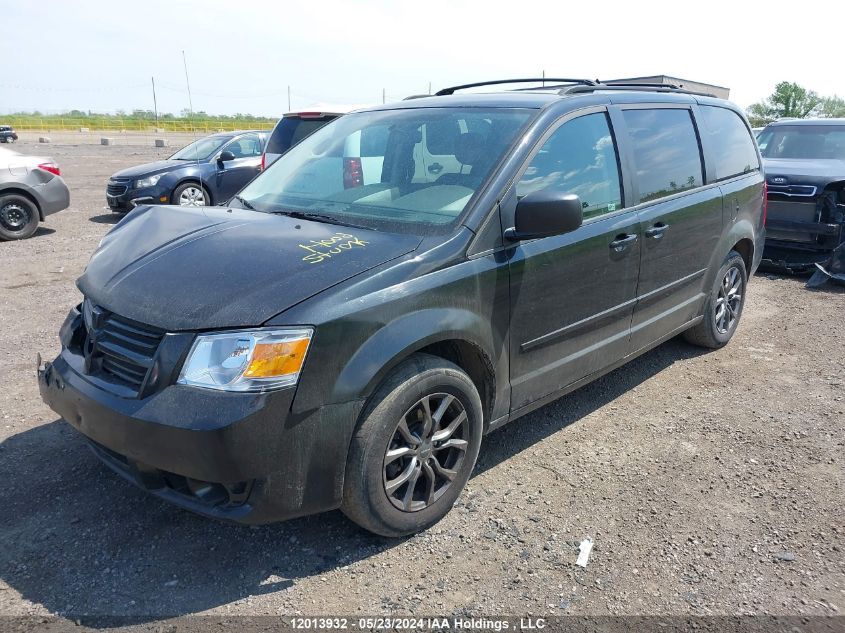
(318, 217)
(244, 202)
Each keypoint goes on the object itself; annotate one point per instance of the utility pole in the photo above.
(429, 87)
(383, 95)
(288, 98)
(544, 78)
(155, 103)
(188, 84)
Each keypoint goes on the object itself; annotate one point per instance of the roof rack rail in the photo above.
(554, 86)
(645, 87)
(451, 90)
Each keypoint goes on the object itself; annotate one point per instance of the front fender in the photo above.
(400, 338)
(192, 173)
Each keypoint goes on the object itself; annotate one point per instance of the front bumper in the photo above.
(234, 456)
(801, 233)
(789, 257)
(123, 202)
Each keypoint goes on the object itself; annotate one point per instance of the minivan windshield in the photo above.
(201, 149)
(803, 141)
(408, 171)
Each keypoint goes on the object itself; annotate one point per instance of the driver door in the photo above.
(232, 175)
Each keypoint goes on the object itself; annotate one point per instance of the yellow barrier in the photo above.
(208, 126)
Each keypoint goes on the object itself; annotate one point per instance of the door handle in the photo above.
(435, 168)
(622, 241)
(657, 230)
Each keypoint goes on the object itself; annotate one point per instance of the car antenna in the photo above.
(191, 117)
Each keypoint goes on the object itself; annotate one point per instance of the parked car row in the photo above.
(211, 170)
(398, 284)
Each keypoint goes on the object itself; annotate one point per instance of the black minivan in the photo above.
(343, 336)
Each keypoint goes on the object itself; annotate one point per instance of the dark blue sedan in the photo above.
(206, 172)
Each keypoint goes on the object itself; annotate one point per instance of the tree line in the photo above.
(148, 115)
(790, 100)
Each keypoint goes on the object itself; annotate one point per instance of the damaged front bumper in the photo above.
(832, 270)
(804, 236)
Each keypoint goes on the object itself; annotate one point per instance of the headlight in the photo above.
(249, 360)
(150, 181)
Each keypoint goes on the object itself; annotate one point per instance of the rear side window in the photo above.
(291, 130)
(666, 151)
(580, 158)
(731, 143)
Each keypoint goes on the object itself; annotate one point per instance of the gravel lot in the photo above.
(712, 483)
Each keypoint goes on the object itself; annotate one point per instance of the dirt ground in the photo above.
(711, 483)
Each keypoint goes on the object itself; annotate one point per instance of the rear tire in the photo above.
(18, 217)
(723, 307)
(415, 449)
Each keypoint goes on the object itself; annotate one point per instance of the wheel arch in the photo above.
(740, 238)
(195, 180)
(745, 247)
(26, 194)
(454, 334)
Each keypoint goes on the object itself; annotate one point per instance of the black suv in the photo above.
(804, 161)
(8, 134)
(344, 337)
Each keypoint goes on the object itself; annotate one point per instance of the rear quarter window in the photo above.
(730, 143)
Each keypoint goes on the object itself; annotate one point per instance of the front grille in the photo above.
(116, 188)
(793, 190)
(121, 348)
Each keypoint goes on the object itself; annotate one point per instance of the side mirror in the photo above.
(225, 156)
(544, 213)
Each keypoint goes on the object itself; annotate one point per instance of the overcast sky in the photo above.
(243, 55)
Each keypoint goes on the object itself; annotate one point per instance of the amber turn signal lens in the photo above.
(277, 359)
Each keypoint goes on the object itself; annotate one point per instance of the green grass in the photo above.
(141, 122)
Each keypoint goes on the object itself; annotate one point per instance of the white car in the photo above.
(31, 188)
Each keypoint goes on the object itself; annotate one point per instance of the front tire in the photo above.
(415, 449)
(190, 194)
(18, 217)
(723, 307)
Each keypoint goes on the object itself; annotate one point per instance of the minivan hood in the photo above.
(196, 269)
(150, 168)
